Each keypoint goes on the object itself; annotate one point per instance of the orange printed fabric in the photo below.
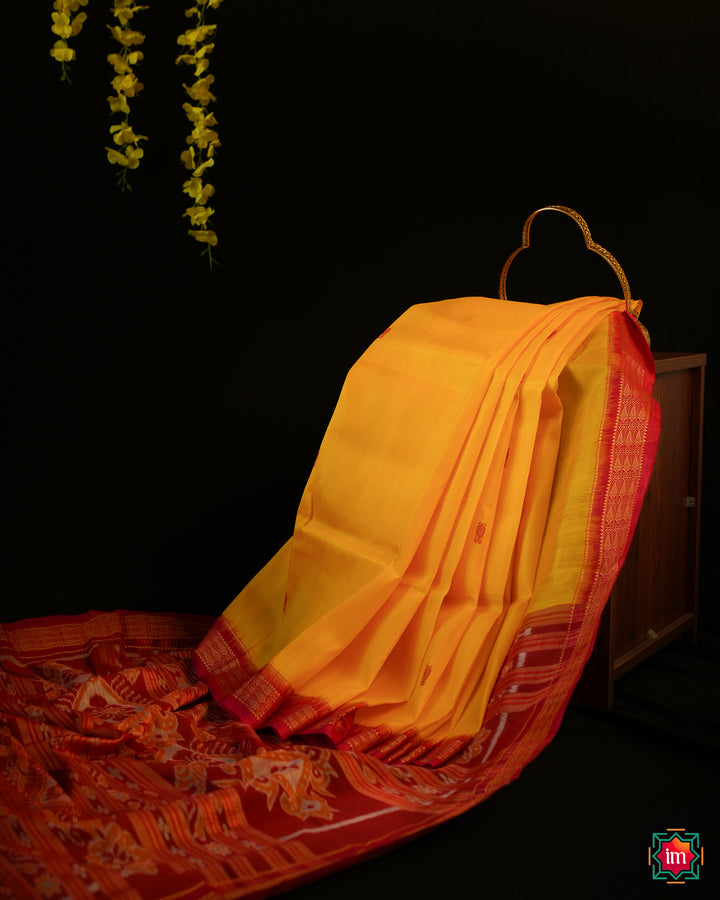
(407, 653)
(483, 471)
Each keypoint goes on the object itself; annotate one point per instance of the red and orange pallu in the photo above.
(408, 651)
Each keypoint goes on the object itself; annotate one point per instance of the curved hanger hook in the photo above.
(589, 243)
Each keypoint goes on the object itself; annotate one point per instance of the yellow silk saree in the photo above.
(471, 504)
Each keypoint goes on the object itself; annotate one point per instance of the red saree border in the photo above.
(530, 697)
(34, 638)
(225, 665)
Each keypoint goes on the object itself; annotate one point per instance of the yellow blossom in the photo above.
(200, 91)
(194, 113)
(201, 168)
(192, 186)
(213, 4)
(77, 23)
(202, 137)
(116, 157)
(199, 192)
(124, 10)
(123, 65)
(61, 25)
(119, 103)
(123, 134)
(126, 36)
(134, 155)
(61, 52)
(119, 64)
(190, 59)
(199, 59)
(204, 236)
(127, 84)
(189, 161)
(195, 36)
(198, 215)
(205, 120)
(129, 159)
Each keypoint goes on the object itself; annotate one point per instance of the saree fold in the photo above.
(485, 464)
(404, 655)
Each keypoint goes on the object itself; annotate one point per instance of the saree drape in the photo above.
(471, 505)
(478, 485)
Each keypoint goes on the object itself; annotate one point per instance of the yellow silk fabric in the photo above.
(451, 495)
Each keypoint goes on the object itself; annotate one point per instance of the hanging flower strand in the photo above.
(203, 140)
(127, 152)
(66, 25)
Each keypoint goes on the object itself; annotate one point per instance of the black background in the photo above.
(161, 419)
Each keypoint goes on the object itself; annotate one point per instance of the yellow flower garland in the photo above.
(127, 152)
(66, 25)
(203, 140)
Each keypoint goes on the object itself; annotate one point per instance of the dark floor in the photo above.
(579, 820)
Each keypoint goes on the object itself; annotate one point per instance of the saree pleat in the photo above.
(455, 492)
